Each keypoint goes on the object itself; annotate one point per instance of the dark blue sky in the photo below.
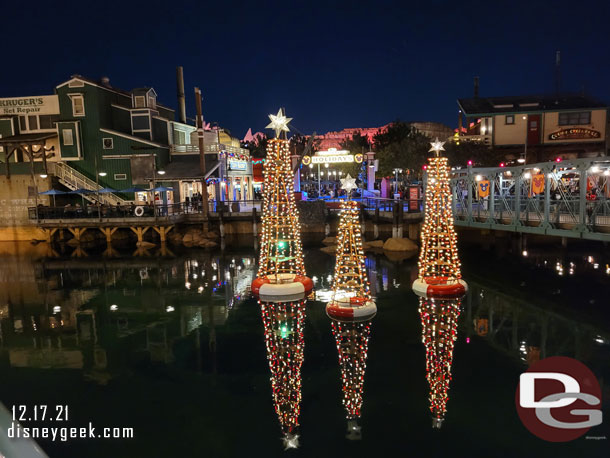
(331, 64)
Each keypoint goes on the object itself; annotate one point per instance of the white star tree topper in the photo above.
(348, 183)
(437, 147)
(279, 123)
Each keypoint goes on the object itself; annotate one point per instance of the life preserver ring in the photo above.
(281, 285)
(138, 211)
(351, 309)
(439, 288)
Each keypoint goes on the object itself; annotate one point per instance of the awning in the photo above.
(187, 168)
(27, 139)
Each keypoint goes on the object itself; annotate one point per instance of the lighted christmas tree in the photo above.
(283, 326)
(351, 297)
(439, 265)
(439, 318)
(281, 255)
(352, 339)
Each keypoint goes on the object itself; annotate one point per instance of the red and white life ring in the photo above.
(138, 211)
(351, 309)
(281, 285)
(439, 287)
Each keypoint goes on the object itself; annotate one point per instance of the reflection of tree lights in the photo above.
(291, 441)
(187, 285)
(114, 307)
(169, 308)
(56, 309)
(200, 289)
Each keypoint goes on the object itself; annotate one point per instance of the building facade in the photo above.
(536, 128)
(91, 135)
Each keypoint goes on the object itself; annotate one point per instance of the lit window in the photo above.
(140, 101)
(78, 105)
(67, 137)
(510, 119)
(152, 102)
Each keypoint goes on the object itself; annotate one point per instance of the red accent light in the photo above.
(467, 339)
(425, 167)
(558, 159)
(469, 162)
(502, 164)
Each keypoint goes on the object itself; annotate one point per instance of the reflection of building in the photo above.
(439, 332)
(537, 128)
(283, 326)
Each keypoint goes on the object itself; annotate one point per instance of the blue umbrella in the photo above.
(82, 191)
(52, 192)
(162, 189)
(134, 189)
(106, 190)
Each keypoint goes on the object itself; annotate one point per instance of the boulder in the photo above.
(399, 244)
(211, 235)
(205, 243)
(329, 249)
(188, 238)
(145, 244)
(373, 245)
(330, 241)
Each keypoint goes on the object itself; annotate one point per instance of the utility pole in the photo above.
(204, 187)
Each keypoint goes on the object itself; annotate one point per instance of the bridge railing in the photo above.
(568, 198)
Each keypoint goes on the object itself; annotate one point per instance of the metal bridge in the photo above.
(570, 198)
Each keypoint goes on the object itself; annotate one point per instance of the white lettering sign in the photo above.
(332, 159)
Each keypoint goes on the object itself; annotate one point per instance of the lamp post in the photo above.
(396, 172)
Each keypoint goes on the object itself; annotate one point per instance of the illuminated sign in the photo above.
(332, 156)
(43, 104)
(574, 133)
(238, 165)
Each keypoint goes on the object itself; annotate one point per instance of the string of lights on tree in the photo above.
(281, 249)
(350, 270)
(283, 324)
(439, 320)
(438, 257)
(352, 341)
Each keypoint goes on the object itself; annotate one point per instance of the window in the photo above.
(108, 143)
(67, 136)
(140, 101)
(510, 119)
(583, 117)
(78, 105)
(33, 122)
(76, 83)
(120, 176)
(152, 102)
(140, 122)
(179, 137)
(48, 121)
(22, 124)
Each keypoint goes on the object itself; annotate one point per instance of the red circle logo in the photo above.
(559, 399)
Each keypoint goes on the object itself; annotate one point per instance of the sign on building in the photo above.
(42, 104)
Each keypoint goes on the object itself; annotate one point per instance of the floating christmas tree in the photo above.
(352, 340)
(283, 326)
(439, 265)
(281, 270)
(351, 298)
(439, 332)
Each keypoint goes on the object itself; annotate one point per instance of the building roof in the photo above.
(187, 167)
(527, 103)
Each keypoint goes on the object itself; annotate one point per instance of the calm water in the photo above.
(175, 348)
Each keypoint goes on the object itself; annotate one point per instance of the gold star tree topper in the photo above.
(348, 183)
(437, 147)
(279, 122)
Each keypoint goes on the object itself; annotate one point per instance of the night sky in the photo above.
(331, 64)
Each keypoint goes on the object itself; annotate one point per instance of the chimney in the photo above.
(181, 99)
(476, 87)
(105, 81)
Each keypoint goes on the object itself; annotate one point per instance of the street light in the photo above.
(102, 174)
(396, 171)
(43, 175)
(161, 172)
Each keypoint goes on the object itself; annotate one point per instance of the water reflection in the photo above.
(352, 339)
(439, 319)
(283, 324)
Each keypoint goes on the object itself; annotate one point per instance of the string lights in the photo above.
(439, 319)
(439, 266)
(283, 324)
